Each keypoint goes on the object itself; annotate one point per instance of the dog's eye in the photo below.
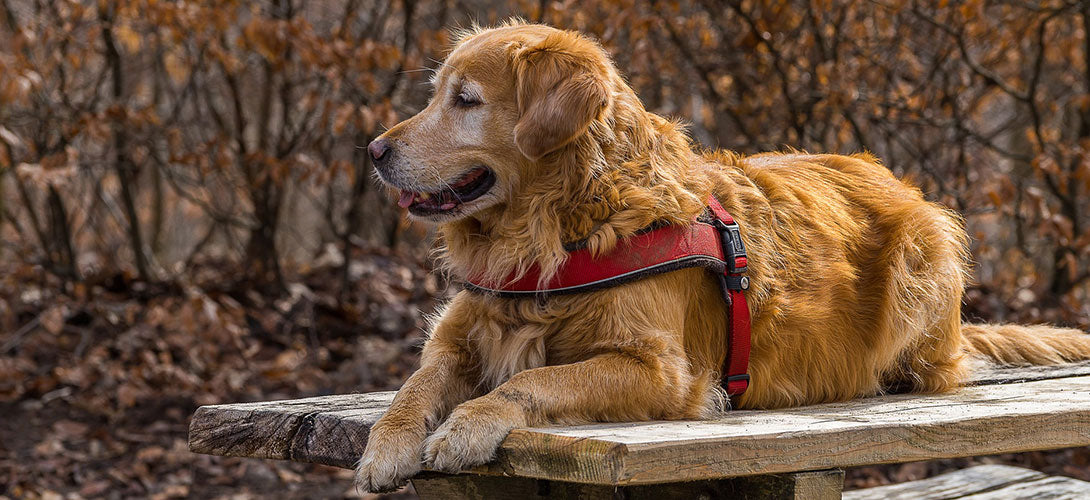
(465, 101)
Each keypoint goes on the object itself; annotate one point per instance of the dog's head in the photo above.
(504, 100)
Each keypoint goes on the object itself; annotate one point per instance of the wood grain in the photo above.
(1002, 416)
(990, 374)
(980, 483)
(330, 430)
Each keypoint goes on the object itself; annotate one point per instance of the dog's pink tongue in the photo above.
(406, 199)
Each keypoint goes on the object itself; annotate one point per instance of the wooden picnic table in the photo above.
(789, 453)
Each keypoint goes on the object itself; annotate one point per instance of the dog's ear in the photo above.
(561, 87)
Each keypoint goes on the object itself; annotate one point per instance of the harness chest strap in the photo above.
(716, 246)
(733, 284)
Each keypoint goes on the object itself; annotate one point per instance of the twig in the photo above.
(17, 337)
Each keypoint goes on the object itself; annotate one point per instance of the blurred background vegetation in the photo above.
(187, 215)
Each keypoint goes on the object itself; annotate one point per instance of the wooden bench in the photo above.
(791, 453)
(995, 482)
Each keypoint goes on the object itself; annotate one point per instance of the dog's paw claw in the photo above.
(384, 468)
(462, 443)
(376, 477)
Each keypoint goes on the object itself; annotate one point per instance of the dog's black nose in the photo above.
(379, 149)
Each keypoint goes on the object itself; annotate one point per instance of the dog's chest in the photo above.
(503, 351)
(509, 336)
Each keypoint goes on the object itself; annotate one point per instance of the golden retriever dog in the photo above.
(533, 140)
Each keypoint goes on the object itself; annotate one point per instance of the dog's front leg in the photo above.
(625, 384)
(395, 442)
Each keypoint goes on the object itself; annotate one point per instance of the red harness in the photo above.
(715, 245)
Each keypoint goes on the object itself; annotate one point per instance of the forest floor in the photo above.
(98, 380)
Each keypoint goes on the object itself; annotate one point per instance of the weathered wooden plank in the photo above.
(326, 429)
(955, 484)
(817, 485)
(990, 374)
(980, 483)
(977, 420)
(1050, 488)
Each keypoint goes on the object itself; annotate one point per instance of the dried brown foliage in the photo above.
(186, 215)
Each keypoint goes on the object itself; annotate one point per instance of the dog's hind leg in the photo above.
(923, 297)
(937, 363)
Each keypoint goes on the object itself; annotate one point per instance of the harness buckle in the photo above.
(734, 251)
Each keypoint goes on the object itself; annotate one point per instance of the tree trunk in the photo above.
(262, 256)
(61, 251)
(353, 218)
(126, 171)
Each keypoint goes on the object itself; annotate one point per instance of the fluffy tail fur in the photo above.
(1027, 345)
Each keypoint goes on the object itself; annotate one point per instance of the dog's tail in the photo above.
(1027, 345)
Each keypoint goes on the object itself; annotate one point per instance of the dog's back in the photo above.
(858, 284)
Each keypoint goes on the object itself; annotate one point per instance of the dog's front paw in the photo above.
(388, 462)
(468, 438)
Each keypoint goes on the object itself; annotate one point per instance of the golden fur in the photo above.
(856, 279)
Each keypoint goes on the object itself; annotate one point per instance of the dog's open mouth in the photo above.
(469, 187)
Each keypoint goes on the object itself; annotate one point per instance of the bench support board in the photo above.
(818, 485)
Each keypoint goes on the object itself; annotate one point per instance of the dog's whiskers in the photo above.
(444, 183)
